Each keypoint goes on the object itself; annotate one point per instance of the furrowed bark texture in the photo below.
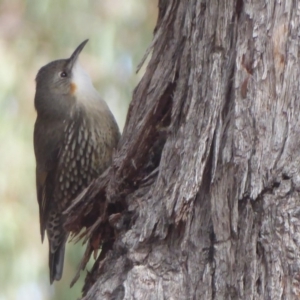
(202, 199)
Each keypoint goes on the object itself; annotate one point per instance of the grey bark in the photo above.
(202, 199)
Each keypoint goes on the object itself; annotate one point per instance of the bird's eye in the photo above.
(63, 74)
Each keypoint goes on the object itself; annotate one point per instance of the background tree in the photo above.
(202, 199)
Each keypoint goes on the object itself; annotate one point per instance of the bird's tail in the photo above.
(56, 261)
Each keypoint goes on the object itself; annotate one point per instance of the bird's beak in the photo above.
(75, 55)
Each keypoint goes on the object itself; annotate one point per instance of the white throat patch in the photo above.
(82, 88)
(81, 81)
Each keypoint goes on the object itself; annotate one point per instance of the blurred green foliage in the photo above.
(32, 33)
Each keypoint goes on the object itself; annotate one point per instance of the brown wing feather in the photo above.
(41, 179)
(47, 140)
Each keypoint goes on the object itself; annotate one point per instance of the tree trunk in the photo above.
(202, 199)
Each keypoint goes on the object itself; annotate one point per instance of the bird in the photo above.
(75, 135)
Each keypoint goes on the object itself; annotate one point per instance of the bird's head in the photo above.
(61, 82)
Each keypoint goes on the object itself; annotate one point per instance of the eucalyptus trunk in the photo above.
(202, 199)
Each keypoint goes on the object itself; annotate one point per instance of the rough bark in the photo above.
(202, 199)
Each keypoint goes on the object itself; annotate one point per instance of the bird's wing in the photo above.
(46, 148)
(44, 183)
(41, 177)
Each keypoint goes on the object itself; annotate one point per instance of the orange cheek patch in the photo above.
(73, 88)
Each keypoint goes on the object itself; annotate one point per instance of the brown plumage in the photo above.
(74, 137)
